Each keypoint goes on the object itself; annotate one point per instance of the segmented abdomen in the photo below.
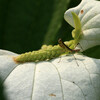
(46, 53)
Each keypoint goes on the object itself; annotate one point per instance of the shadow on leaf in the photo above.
(2, 95)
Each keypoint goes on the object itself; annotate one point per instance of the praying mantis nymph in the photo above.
(50, 52)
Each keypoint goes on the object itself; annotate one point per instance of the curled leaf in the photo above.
(88, 12)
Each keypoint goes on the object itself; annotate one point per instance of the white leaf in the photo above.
(5, 52)
(72, 77)
(89, 13)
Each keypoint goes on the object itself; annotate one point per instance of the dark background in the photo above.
(25, 25)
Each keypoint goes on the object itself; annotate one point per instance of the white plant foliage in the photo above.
(89, 13)
(73, 77)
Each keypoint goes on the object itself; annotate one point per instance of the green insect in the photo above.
(50, 52)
